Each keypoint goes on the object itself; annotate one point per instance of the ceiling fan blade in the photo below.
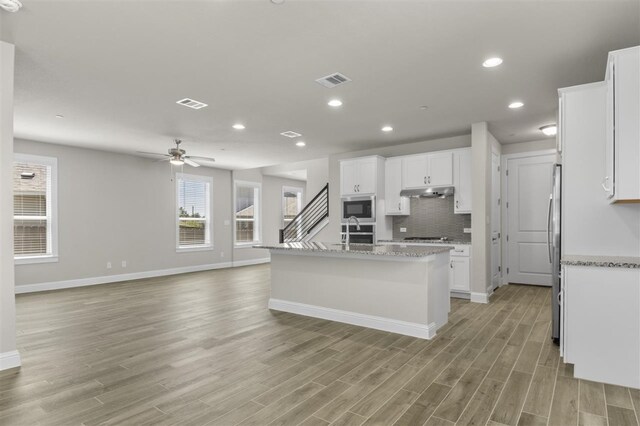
(151, 153)
(190, 162)
(195, 157)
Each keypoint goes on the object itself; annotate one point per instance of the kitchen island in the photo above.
(393, 288)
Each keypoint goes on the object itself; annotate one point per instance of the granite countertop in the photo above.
(602, 261)
(370, 249)
(402, 241)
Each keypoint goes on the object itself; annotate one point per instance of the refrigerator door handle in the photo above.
(549, 228)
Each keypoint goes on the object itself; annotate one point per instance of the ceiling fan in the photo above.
(177, 157)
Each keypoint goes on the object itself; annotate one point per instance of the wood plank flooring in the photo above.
(202, 349)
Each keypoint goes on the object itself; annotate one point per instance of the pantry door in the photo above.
(529, 185)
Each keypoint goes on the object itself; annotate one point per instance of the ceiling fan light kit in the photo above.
(177, 156)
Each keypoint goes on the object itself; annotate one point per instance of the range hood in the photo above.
(433, 192)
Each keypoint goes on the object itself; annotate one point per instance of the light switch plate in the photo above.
(403, 229)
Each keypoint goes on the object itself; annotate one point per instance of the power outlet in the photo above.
(403, 229)
(124, 263)
(108, 265)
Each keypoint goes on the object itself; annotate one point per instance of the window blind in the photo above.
(32, 209)
(193, 212)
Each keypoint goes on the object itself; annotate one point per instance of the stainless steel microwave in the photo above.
(364, 208)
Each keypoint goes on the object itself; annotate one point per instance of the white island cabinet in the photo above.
(402, 290)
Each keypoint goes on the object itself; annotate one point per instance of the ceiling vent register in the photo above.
(191, 103)
(333, 80)
(290, 134)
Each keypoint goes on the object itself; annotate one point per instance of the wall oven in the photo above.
(366, 234)
(364, 208)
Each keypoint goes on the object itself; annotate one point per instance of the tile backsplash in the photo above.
(432, 217)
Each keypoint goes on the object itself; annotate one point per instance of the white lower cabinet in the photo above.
(459, 273)
(600, 330)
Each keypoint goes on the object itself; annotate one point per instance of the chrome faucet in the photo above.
(348, 223)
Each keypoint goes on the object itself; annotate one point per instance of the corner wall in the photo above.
(9, 356)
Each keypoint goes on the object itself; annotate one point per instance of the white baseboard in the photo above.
(480, 297)
(460, 294)
(81, 282)
(251, 262)
(9, 360)
(379, 323)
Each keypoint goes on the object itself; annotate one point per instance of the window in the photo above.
(247, 213)
(291, 203)
(34, 209)
(193, 212)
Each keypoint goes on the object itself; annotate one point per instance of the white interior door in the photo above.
(496, 258)
(529, 185)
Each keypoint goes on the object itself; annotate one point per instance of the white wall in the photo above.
(332, 232)
(9, 357)
(539, 145)
(114, 207)
(482, 145)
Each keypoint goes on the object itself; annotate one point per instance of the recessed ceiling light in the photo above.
(277, 1)
(335, 102)
(10, 5)
(517, 104)
(549, 129)
(492, 62)
(423, 107)
(238, 126)
(59, 116)
(300, 143)
(387, 129)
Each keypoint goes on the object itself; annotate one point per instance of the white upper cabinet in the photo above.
(425, 170)
(462, 181)
(358, 176)
(395, 205)
(414, 171)
(440, 169)
(622, 180)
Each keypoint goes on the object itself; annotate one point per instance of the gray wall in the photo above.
(432, 217)
(114, 207)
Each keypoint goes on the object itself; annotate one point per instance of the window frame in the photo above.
(208, 246)
(285, 189)
(256, 221)
(52, 209)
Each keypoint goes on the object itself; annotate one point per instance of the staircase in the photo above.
(313, 217)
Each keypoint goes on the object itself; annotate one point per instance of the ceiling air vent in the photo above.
(191, 103)
(290, 134)
(332, 80)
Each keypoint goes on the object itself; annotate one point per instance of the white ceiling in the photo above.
(115, 69)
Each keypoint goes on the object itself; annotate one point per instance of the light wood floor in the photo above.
(202, 348)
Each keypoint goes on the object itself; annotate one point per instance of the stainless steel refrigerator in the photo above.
(553, 243)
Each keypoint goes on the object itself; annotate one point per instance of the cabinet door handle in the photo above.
(429, 179)
(399, 208)
(457, 204)
(451, 264)
(358, 186)
(604, 181)
(425, 179)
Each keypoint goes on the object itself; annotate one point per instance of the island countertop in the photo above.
(367, 249)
